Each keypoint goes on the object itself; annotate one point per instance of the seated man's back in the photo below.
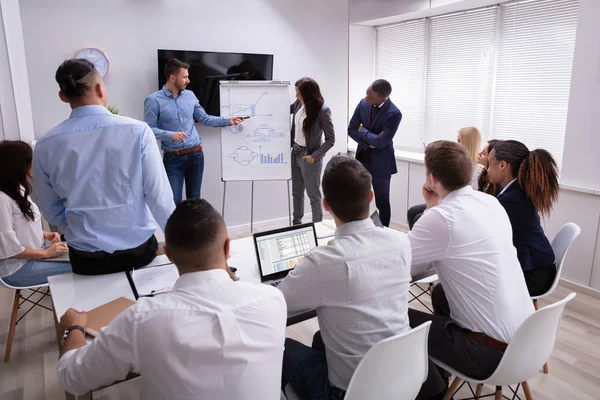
(481, 275)
(210, 338)
(358, 285)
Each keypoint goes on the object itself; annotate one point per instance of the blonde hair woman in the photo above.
(471, 139)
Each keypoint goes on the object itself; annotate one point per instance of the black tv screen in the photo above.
(208, 68)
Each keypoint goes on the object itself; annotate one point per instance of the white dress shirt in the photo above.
(359, 287)
(210, 338)
(298, 123)
(468, 240)
(475, 177)
(17, 233)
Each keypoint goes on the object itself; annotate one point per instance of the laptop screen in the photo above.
(280, 250)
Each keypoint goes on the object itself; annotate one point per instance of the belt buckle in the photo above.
(177, 152)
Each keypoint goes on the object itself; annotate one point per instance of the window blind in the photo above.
(459, 73)
(533, 79)
(401, 61)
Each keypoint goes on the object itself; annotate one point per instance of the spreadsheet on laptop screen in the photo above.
(282, 251)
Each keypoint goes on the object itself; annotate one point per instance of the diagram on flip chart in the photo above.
(259, 148)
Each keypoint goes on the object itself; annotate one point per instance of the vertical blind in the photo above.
(535, 58)
(406, 72)
(504, 69)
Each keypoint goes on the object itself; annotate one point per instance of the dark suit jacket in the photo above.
(533, 248)
(382, 158)
(315, 146)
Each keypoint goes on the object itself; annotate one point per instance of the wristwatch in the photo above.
(68, 330)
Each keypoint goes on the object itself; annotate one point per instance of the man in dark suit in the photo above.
(373, 126)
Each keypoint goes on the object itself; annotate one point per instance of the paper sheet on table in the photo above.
(325, 229)
(155, 280)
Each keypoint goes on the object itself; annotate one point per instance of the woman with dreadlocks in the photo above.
(529, 186)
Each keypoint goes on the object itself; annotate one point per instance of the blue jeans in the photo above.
(305, 369)
(36, 272)
(188, 167)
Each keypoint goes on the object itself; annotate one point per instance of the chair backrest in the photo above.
(560, 245)
(531, 346)
(377, 377)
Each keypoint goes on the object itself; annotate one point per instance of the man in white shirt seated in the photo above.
(358, 285)
(467, 237)
(209, 338)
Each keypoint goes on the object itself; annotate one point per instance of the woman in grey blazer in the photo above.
(311, 118)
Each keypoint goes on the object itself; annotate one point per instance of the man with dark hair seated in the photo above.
(358, 285)
(209, 338)
(482, 299)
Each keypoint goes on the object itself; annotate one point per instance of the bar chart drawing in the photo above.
(270, 159)
(259, 148)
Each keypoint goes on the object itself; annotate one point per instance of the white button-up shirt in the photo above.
(359, 286)
(468, 240)
(210, 338)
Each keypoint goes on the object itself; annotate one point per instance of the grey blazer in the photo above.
(315, 146)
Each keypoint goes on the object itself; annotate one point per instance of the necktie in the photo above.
(374, 111)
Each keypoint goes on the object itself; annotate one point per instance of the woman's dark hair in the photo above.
(15, 161)
(69, 75)
(313, 102)
(536, 171)
(483, 182)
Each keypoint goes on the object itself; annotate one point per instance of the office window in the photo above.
(535, 58)
(402, 63)
(459, 73)
(505, 69)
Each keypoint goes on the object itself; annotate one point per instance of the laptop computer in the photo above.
(278, 251)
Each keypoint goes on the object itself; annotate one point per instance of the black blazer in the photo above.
(315, 146)
(381, 160)
(533, 248)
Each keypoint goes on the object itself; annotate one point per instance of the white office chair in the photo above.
(529, 348)
(18, 301)
(560, 245)
(377, 377)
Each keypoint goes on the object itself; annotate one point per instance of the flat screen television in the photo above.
(208, 68)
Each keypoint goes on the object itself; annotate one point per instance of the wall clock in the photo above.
(96, 57)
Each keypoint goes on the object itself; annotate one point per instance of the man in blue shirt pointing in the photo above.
(95, 176)
(171, 113)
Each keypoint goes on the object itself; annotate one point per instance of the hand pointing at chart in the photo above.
(235, 121)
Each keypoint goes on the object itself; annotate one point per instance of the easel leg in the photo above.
(224, 197)
(252, 209)
(289, 203)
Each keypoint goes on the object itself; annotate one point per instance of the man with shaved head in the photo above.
(209, 338)
(96, 174)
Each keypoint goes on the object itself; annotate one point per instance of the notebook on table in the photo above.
(153, 280)
(278, 251)
(101, 316)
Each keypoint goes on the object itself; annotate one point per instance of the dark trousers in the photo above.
(305, 369)
(414, 213)
(100, 262)
(540, 280)
(188, 167)
(450, 344)
(381, 188)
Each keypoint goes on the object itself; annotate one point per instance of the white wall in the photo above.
(582, 140)
(308, 38)
(365, 10)
(8, 111)
(362, 63)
